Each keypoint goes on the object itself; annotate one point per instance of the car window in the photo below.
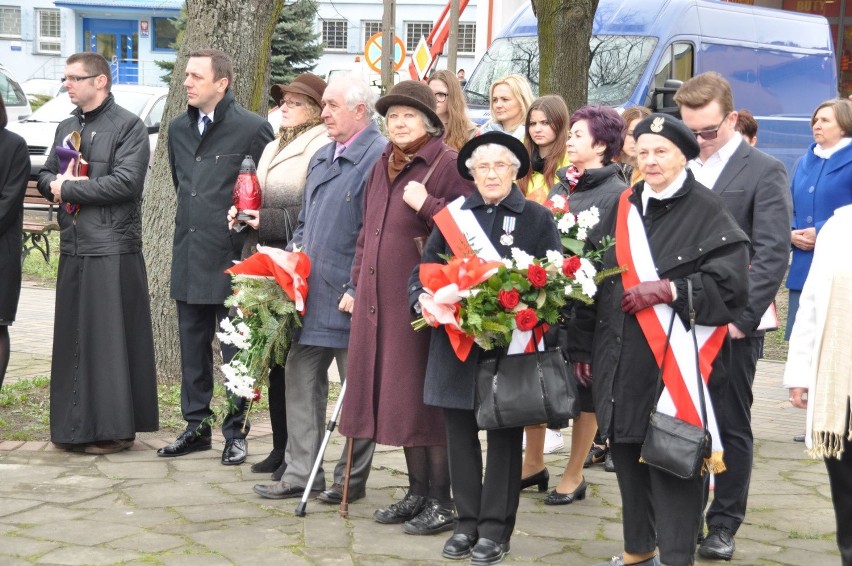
(11, 92)
(132, 101)
(155, 116)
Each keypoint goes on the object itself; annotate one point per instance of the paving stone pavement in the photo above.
(135, 508)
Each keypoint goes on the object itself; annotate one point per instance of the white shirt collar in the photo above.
(708, 172)
(648, 193)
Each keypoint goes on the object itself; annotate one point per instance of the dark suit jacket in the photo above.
(754, 187)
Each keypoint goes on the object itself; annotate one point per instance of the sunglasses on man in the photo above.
(713, 133)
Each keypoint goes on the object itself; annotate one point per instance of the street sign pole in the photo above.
(453, 47)
(388, 34)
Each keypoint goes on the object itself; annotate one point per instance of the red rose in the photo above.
(256, 396)
(509, 299)
(537, 276)
(570, 265)
(526, 319)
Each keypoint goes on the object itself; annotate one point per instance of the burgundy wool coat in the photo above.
(387, 358)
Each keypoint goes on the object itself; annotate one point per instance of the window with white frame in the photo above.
(371, 28)
(48, 31)
(10, 21)
(334, 34)
(467, 38)
(413, 31)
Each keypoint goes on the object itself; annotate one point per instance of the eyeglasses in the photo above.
(440, 96)
(73, 80)
(499, 168)
(713, 133)
(291, 103)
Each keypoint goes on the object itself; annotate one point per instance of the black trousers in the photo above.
(732, 405)
(658, 509)
(197, 325)
(840, 479)
(486, 506)
(277, 393)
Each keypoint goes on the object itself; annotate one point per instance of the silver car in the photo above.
(39, 129)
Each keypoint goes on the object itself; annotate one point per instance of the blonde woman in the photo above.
(511, 97)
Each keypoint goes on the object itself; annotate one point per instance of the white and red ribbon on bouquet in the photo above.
(446, 285)
(289, 269)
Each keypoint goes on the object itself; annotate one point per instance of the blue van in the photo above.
(780, 64)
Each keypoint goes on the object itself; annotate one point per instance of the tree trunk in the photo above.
(243, 29)
(565, 54)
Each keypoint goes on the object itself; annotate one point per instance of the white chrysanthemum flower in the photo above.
(522, 259)
(237, 379)
(565, 223)
(559, 201)
(508, 262)
(588, 218)
(239, 313)
(226, 325)
(587, 268)
(554, 257)
(581, 233)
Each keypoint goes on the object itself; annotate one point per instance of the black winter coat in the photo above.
(450, 383)
(115, 143)
(598, 187)
(691, 235)
(14, 173)
(204, 170)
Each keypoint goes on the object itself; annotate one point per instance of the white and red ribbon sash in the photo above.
(680, 393)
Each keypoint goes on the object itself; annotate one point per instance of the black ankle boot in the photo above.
(279, 471)
(271, 463)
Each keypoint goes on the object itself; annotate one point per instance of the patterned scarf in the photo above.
(286, 135)
(572, 177)
(401, 157)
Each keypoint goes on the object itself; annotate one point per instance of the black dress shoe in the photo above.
(556, 498)
(334, 494)
(487, 552)
(719, 544)
(609, 465)
(235, 452)
(280, 490)
(596, 455)
(799, 438)
(541, 479)
(186, 443)
(435, 518)
(269, 464)
(401, 511)
(458, 546)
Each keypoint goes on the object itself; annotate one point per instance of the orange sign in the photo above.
(373, 53)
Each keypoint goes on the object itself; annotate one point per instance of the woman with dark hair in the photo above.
(546, 134)
(281, 171)
(631, 116)
(592, 180)
(822, 183)
(451, 109)
(413, 180)
(14, 174)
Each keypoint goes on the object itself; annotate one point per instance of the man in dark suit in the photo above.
(206, 146)
(334, 196)
(755, 188)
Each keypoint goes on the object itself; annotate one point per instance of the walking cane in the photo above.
(332, 423)
(344, 502)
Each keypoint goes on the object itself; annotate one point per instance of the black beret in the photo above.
(510, 142)
(673, 130)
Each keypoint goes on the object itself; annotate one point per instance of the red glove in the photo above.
(583, 373)
(646, 294)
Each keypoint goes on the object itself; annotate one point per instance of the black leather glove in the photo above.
(583, 373)
(646, 294)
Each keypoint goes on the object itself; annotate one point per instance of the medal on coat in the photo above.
(508, 227)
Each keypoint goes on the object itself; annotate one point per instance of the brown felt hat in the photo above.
(307, 84)
(414, 94)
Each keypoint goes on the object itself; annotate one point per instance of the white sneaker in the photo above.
(553, 441)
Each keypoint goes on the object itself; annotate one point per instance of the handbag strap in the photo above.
(701, 401)
(434, 166)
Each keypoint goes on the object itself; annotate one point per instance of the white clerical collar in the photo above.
(648, 193)
(827, 153)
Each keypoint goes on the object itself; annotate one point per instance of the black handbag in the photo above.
(671, 444)
(524, 389)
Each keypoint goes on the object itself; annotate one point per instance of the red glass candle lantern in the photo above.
(247, 189)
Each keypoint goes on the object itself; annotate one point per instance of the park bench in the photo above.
(39, 222)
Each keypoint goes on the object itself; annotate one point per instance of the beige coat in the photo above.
(282, 182)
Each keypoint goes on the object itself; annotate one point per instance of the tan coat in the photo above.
(282, 181)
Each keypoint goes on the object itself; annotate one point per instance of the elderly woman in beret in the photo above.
(413, 179)
(486, 506)
(282, 171)
(672, 233)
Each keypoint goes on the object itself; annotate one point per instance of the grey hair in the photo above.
(357, 92)
(431, 129)
(485, 148)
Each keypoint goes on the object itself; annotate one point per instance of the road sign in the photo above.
(373, 53)
(421, 58)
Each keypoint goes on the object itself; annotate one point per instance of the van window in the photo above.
(675, 63)
(617, 63)
(11, 92)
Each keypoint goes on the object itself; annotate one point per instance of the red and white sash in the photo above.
(680, 392)
(466, 237)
